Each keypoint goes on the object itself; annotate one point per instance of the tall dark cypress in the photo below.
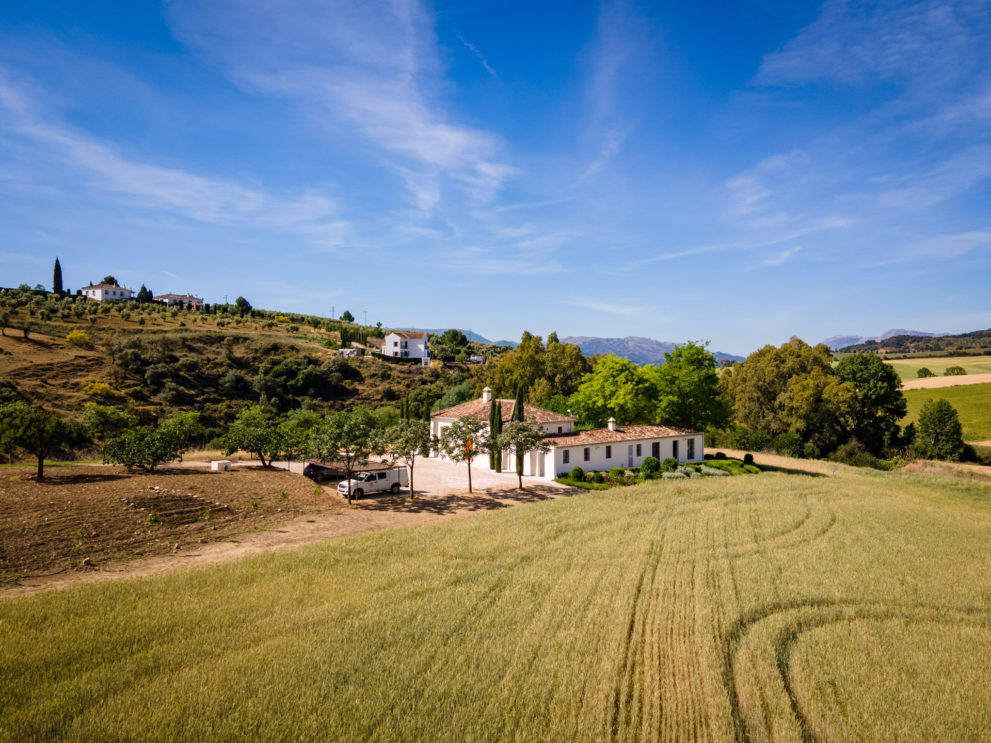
(519, 414)
(57, 278)
(498, 423)
(492, 433)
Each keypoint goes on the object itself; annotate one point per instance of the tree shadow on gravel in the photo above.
(490, 499)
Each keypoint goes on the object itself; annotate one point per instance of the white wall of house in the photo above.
(621, 454)
(531, 464)
(100, 293)
(412, 348)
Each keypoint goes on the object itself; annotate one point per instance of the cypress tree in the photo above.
(498, 423)
(57, 278)
(492, 433)
(519, 415)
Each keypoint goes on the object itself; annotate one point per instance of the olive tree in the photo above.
(409, 439)
(348, 437)
(253, 431)
(38, 432)
(463, 440)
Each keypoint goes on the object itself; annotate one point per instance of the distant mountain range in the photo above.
(475, 337)
(974, 343)
(634, 348)
(842, 341)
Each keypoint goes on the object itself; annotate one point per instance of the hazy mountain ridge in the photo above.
(838, 342)
(635, 348)
(977, 342)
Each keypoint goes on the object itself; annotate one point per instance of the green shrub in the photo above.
(748, 459)
(955, 371)
(924, 372)
(670, 464)
(616, 472)
(650, 465)
(577, 473)
(598, 477)
(789, 444)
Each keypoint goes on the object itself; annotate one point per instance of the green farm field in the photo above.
(972, 402)
(778, 607)
(908, 368)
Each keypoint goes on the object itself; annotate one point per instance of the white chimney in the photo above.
(612, 424)
(487, 394)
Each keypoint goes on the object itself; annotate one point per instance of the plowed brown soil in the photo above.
(86, 515)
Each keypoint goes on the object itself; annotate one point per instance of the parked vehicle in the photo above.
(320, 472)
(376, 482)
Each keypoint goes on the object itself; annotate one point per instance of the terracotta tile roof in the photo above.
(480, 409)
(107, 286)
(605, 436)
(409, 335)
(178, 296)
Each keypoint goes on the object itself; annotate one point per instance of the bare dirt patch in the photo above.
(91, 523)
(88, 515)
(931, 383)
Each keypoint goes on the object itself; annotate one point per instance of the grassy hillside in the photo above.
(908, 368)
(780, 608)
(973, 404)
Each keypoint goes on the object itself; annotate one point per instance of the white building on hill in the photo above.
(406, 345)
(595, 449)
(100, 292)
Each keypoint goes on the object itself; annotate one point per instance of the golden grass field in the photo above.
(908, 368)
(779, 607)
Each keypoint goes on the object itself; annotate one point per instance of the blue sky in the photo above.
(736, 172)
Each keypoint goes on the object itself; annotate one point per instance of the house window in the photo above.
(608, 452)
(587, 453)
(655, 449)
(567, 456)
(395, 344)
(674, 449)
(639, 450)
(690, 446)
(560, 430)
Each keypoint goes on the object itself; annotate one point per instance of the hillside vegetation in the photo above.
(802, 608)
(976, 343)
(150, 360)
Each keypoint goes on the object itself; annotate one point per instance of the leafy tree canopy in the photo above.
(110, 280)
(615, 388)
(463, 440)
(38, 432)
(347, 316)
(348, 437)
(522, 437)
(556, 369)
(253, 431)
(688, 391)
(940, 433)
(880, 402)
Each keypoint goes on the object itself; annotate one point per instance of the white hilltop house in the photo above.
(187, 300)
(406, 345)
(595, 449)
(100, 292)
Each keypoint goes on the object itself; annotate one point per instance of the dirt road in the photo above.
(930, 383)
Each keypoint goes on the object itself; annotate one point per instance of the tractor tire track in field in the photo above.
(634, 645)
(789, 621)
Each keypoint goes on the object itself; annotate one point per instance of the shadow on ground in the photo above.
(489, 499)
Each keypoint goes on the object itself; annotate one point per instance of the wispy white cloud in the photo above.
(918, 44)
(944, 181)
(372, 65)
(172, 275)
(612, 309)
(474, 50)
(198, 197)
(781, 257)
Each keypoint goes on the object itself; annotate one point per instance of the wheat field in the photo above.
(780, 607)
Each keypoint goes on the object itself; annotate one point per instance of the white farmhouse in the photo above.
(187, 300)
(595, 449)
(406, 345)
(100, 292)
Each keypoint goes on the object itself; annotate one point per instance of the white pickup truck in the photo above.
(377, 481)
